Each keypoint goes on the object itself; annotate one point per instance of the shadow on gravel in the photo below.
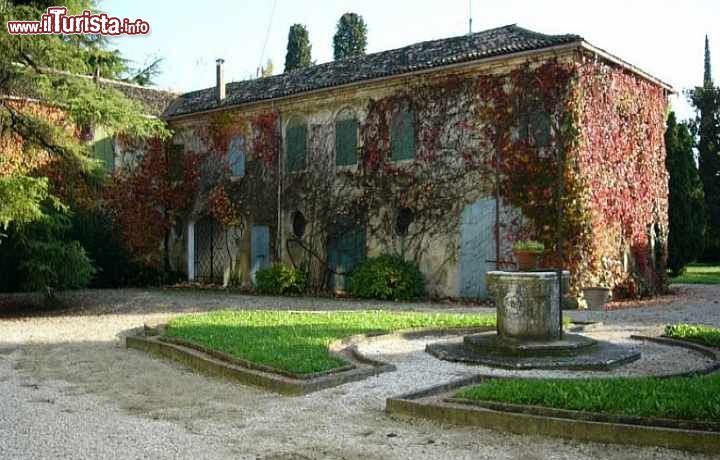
(169, 300)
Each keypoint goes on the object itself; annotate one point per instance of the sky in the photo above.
(664, 38)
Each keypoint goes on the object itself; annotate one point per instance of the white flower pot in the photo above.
(596, 297)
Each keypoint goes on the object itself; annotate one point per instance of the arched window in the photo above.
(402, 135)
(236, 156)
(295, 145)
(346, 138)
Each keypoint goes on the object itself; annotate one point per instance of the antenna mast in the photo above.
(470, 16)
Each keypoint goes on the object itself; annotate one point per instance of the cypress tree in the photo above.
(706, 100)
(686, 200)
(351, 36)
(707, 77)
(299, 50)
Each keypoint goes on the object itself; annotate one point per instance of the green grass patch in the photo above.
(699, 274)
(704, 335)
(298, 342)
(683, 398)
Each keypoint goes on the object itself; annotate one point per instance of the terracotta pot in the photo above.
(596, 297)
(527, 260)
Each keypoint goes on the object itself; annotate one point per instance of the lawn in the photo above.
(704, 335)
(683, 398)
(296, 341)
(699, 274)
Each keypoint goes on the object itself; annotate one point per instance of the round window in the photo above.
(403, 220)
(298, 224)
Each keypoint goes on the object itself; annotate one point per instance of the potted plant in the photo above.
(527, 253)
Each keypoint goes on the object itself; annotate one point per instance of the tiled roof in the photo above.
(425, 55)
(154, 101)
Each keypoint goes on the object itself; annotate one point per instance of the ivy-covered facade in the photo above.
(443, 152)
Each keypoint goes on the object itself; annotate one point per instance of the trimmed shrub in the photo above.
(55, 266)
(280, 279)
(387, 277)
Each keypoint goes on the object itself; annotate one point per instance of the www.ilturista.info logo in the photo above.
(56, 21)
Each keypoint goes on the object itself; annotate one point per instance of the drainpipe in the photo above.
(497, 205)
(279, 243)
(560, 155)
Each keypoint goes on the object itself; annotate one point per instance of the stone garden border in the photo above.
(219, 364)
(437, 404)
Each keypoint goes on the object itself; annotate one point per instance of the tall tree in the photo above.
(299, 50)
(351, 36)
(44, 162)
(707, 76)
(686, 201)
(706, 100)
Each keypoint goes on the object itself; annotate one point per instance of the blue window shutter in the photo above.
(346, 136)
(236, 156)
(402, 136)
(295, 145)
(259, 248)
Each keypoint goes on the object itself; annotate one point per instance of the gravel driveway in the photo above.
(71, 390)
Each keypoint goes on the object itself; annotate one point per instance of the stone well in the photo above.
(529, 330)
(527, 304)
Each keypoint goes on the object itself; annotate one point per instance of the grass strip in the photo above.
(704, 335)
(298, 341)
(699, 274)
(681, 398)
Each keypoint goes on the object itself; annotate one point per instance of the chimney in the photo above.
(220, 83)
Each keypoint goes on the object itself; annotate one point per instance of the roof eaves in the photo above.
(481, 58)
(627, 66)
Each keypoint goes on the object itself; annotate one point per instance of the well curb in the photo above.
(436, 403)
(213, 363)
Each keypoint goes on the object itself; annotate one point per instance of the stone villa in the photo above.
(408, 151)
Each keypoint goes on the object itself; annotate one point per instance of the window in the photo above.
(346, 137)
(402, 136)
(403, 219)
(295, 146)
(175, 161)
(236, 156)
(298, 224)
(535, 128)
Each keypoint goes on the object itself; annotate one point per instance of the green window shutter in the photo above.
(103, 148)
(175, 161)
(535, 127)
(402, 136)
(295, 145)
(346, 132)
